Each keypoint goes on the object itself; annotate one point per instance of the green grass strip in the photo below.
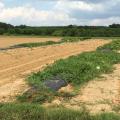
(76, 70)
(38, 44)
(114, 45)
(36, 112)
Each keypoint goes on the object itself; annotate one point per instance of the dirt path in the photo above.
(8, 41)
(16, 64)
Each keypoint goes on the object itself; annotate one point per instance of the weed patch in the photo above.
(114, 45)
(36, 112)
(38, 44)
(74, 39)
(76, 70)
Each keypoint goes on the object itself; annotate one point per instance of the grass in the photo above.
(78, 69)
(36, 112)
(74, 39)
(115, 45)
(75, 70)
(31, 36)
(38, 44)
(106, 116)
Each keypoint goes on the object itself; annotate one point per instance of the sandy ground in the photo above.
(9, 41)
(99, 95)
(16, 64)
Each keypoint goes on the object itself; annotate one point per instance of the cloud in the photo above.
(1, 5)
(106, 21)
(60, 12)
(78, 5)
(29, 15)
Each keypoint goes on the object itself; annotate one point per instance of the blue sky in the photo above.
(60, 12)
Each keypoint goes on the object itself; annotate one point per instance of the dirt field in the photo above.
(9, 41)
(16, 64)
(99, 95)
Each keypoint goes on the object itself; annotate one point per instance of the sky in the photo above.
(60, 12)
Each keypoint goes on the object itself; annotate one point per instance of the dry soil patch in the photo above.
(10, 41)
(16, 64)
(99, 95)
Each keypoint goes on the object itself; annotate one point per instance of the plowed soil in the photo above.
(16, 64)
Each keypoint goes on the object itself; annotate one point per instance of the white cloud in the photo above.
(78, 5)
(29, 15)
(1, 5)
(64, 12)
(105, 21)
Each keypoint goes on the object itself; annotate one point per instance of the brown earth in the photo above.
(10, 41)
(16, 64)
(99, 95)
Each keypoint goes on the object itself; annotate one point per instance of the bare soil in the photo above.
(100, 95)
(16, 64)
(10, 41)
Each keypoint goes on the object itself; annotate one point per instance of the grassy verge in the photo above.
(114, 45)
(75, 70)
(30, 36)
(38, 44)
(36, 112)
(74, 39)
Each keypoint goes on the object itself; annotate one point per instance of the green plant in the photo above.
(36, 112)
(38, 44)
(114, 45)
(74, 39)
(76, 70)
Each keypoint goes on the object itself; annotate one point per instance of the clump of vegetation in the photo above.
(75, 70)
(114, 45)
(36, 112)
(74, 39)
(106, 116)
(78, 69)
(39, 95)
(38, 44)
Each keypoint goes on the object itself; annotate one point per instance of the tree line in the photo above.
(70, 30)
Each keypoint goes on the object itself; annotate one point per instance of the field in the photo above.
(17, 63)
(92, 74)
(7, 41)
